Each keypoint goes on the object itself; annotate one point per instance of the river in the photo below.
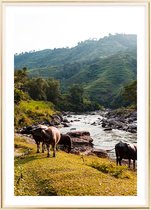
(101, 139)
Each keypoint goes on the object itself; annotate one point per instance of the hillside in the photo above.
(84, 51)
(102, 66)
(30, 112)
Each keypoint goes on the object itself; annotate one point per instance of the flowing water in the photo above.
(101, 139)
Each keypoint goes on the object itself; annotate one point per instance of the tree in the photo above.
(37, 89)
(130, 93)
(127, 96)
(76, 92)
(53, 90)
(20, 81)
(20, 78)
(76, 97)
(20, 95)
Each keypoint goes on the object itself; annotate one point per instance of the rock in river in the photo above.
(82, 143)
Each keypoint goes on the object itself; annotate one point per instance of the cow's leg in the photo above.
(129, 163)
(48, 150)
(43, 147)
(54, 150)
(117, 161)
(120, 161)
(38, 146)
(134, 164)
(57, 148)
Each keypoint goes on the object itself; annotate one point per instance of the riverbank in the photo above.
(102, 138)
(122, 119)
(69, 174)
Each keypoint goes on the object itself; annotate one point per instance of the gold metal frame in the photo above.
(147, 4)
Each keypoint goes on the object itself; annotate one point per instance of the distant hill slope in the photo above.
(103, 66)
(87, 50)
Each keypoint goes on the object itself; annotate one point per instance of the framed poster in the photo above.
(86, 65)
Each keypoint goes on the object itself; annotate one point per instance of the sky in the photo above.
(57, 26)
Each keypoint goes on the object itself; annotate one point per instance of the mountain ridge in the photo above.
(102, 66)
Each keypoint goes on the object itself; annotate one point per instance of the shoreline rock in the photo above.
(83, 143)
(123, 120)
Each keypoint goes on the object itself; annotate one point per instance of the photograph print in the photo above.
(76, 100)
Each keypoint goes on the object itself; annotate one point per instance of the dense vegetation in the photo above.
(103, 68)
(37, 99)
(68, 174)
(88, 50)
(31, 112)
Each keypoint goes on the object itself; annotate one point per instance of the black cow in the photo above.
(38, 139)
(126, 151)
(65, 140)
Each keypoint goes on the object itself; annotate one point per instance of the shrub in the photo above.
(110, 168)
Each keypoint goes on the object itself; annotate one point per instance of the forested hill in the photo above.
(102, 66)
(87, 50)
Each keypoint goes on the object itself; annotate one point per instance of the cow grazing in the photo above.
(65, 140)
(38, 139)
(46, 135)
(126, 151)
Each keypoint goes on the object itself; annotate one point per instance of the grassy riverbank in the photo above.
(68, 174)
(30, 112)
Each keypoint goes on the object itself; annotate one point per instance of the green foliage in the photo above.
(75, 100)
(116, 171)
(20, 81)
(37, 89)
(20, 78)
(19, 95)
(114, 73)
(84, 51)
(103, 67)
(53, 90)
(76, 94)
(127, 96)
(68, 175)
(91, 105)
(130, 93)
(44, 89)
(31, 112)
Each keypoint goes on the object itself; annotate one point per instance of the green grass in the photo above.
(29, 112)
(69, 175)
(110, 168)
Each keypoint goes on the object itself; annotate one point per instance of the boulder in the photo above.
(81, 142)
(79, 133)
(107, 129)
(100, 153)
(66, 124)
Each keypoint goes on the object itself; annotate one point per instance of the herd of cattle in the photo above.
(52, 136)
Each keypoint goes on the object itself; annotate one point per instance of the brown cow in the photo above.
(46, 135)
(50, 136)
